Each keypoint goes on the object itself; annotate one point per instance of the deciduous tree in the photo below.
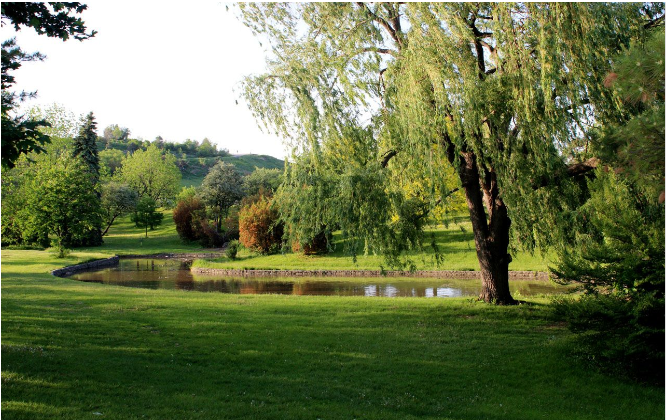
(220, 189)
(496, 91)
(151, 174)
(62, 201)
(262, 179)
(117, 200)
(146, 214)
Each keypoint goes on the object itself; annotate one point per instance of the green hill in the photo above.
(195, 169)
(193, 162)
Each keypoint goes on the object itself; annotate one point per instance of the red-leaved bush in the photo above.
(185, 217)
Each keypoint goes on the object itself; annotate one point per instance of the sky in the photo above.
(158, 68)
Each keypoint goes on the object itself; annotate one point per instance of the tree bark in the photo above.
(491, 230)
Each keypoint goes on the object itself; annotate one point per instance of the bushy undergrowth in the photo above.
(616, 335)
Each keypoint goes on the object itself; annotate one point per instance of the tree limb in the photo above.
(576, 170)
(380, 50)
(382, 22)
(654, 22)
(387, 156)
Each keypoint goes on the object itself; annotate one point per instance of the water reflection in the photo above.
(175, 274)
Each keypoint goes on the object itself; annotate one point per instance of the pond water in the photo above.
(175, 274)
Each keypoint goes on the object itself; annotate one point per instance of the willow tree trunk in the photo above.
(490, 223)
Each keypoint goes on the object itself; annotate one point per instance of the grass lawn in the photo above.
(125, 238)
(73, 350)
(455, 242)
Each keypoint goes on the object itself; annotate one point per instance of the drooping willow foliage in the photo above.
(377, 96)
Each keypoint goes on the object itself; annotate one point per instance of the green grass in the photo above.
(247, 163)
(455, 242)
(76, 350)
(125, 238)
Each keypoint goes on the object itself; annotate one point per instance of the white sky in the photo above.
(158, 68)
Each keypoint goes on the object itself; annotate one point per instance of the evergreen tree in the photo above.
(85, 149)
(85, 145)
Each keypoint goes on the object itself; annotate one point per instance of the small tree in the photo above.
(259, 226)
(207, 149)
(221, 188)
(117, 200)
(146, 214)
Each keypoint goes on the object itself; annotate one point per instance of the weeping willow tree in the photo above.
(499, 95)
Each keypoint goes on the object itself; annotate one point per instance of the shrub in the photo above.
(232, 250)
(208, 235)
(618, 260)
(186, 216)
(316, 245)
(259, 226)
(618, 335)
(231, 225)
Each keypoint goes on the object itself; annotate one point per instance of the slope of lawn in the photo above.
(76, 350)
(455, 243)
(125, 238)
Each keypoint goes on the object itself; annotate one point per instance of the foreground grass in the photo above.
(455, 243)
(75, 350)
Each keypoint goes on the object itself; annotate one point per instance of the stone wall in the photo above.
(181, 256)
(447, 274)
(92, 265)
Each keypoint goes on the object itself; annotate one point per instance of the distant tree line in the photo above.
(116, 137)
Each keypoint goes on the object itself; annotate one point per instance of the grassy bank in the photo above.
(125, 238)
(455, 243)
(78, 351)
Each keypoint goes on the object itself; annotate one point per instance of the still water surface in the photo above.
(175, 274)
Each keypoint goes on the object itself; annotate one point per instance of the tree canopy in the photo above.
(21, 135)
(505, 94)
(220, 189)
(151, 173)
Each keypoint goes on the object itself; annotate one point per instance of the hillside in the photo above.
(195, 169)
(193, 161)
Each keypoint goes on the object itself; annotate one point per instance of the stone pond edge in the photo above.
(442, 274)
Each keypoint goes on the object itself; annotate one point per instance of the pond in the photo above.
(175, 274)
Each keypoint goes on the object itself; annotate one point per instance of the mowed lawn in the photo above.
(73, 350)
(455, 244)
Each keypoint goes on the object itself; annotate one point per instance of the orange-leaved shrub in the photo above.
(259, 226)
